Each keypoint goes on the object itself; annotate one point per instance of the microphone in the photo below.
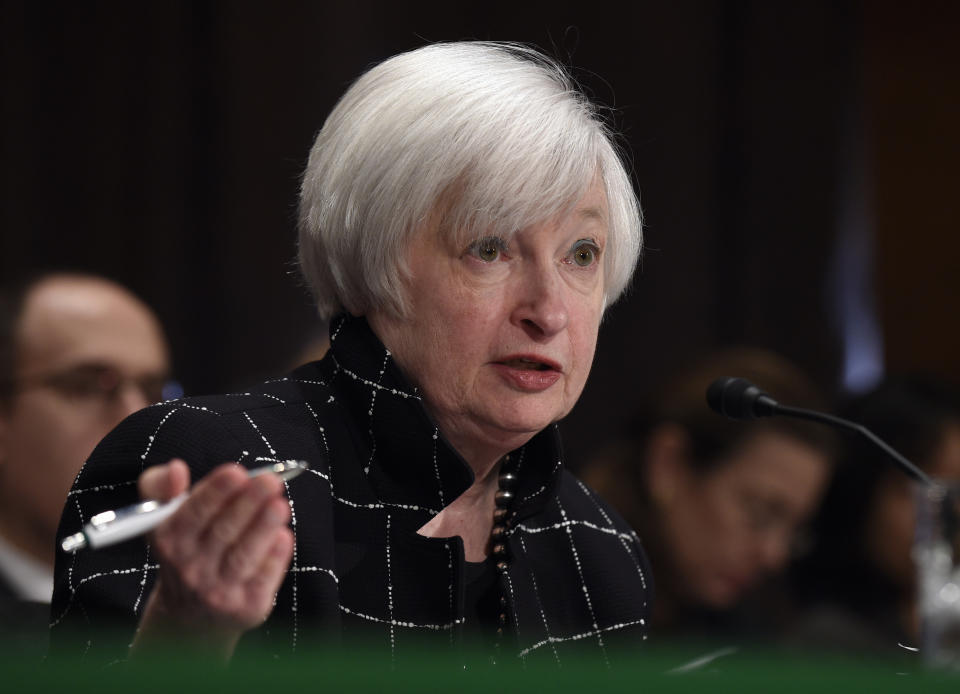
(738, 398)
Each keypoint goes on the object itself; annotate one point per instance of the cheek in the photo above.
(696, 526)
(55, 438)
(443, 345)
(583, 343)
(720, 531)
(66, 431)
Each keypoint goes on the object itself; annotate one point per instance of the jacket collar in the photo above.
(410, 461)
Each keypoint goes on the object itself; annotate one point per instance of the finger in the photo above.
(265, 582)
(164, 482)
(243, 559)
(208, 497)
(236, 518)
(178, 537)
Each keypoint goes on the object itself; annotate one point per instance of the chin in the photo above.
(527, 420)
(721, 597)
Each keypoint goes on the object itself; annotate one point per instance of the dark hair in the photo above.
(712, 438)
(909, 412)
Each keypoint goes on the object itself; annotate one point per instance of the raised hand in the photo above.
(222, 555)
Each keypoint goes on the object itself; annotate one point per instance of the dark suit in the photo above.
(23, 625)
(379, 471)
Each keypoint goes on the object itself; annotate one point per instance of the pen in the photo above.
(110, 527)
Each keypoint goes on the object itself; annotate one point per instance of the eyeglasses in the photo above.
(100, 382)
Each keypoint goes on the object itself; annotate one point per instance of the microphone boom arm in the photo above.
(812, 415)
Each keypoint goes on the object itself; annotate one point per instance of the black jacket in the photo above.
(379, 471)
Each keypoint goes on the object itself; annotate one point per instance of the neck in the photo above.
(482, 447)
(470, 515)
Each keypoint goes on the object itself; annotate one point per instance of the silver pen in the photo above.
(110, 527)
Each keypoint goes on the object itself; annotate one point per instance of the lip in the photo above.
(528, 380)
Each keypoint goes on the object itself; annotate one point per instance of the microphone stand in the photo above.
(814, 416)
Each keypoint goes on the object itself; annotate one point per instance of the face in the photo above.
(730, 528)
(891, 518)
(89, 354)
(501, 332)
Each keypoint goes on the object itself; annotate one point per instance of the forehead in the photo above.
(66, 322)
(778, 465)
(593, 206)
(590, 207)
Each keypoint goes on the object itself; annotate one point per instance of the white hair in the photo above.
(494, 136)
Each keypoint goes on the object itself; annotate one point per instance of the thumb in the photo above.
(163, 482)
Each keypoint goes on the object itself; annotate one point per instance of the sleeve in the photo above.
(99, 595)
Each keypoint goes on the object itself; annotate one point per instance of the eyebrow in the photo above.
(95, 365)
(592, 213)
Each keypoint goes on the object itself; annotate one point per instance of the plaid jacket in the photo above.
(380, 469)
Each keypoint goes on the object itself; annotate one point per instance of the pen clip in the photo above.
(285, 469)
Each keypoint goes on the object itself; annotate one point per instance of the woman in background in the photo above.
(719, 503)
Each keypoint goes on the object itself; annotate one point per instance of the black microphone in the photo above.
(738, 398)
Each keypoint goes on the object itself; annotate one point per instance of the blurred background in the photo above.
(797, 164)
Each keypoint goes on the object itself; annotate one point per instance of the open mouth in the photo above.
(528, 365)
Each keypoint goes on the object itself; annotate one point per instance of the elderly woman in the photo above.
(464, 222)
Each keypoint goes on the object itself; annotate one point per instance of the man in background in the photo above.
(78, 353)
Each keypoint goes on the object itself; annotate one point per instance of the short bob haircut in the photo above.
(494, 137)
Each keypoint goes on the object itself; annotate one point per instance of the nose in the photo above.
(541, 307)
(774, 549)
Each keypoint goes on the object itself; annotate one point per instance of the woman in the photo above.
(718, 502)
(464, 222)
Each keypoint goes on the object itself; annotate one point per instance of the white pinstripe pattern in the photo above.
(436, 468)
(543, 488)
(568, 523)
(624, 537)
(294, 566)
(153, 436)
(101, 488)
(450, 589)
(543, 615)
(257, 429)
(143, 580)
(257, 395)
(377, 386)
(583, 583)
(598, 633)
(393, 640)
(400, 623)
(316, 569)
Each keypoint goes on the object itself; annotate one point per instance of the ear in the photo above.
(667, 472)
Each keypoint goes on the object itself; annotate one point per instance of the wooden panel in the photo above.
(912, 90)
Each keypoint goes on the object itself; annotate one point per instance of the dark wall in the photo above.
(912, 99)
(161, 144)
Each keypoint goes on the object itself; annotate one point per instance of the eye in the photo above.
(488, 249)
(87, 382)
(585, 253)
